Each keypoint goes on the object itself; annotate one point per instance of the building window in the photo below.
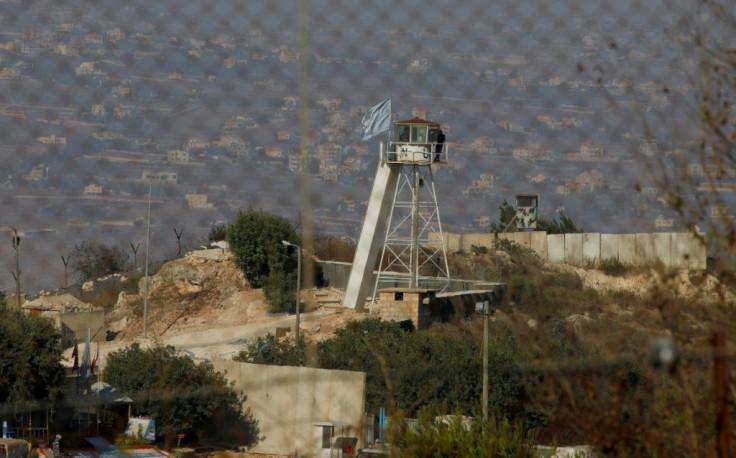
(398, 296)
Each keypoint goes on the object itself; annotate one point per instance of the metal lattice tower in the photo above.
(414, 253)
(402, 226)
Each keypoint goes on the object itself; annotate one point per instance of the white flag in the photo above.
(376, 120)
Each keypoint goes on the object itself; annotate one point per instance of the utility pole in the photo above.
(298, 283)
(66, 271)
(486, 314)
(16, 272)
(486, 309)
(720, 379)
(148, 243)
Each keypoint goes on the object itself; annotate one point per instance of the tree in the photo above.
(30, 357)
(217, 233)
(507, 212)
(255, 240)
(401, 368)
(565, 225)
(697, 181)
(270, 350)
(183, 396)
(94, 260)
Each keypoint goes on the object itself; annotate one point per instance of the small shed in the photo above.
(399, 304)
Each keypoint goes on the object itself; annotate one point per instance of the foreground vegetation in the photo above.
(30, 358)
(185, 397)
(568, 364)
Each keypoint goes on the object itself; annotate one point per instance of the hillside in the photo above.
(202, 304)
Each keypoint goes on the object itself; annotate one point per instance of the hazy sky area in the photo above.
(562, 99)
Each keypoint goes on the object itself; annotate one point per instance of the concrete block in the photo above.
(574, 249)
(680, 250)
(627, 249)
(662, 246)
(609, 246)
(698, 253)
(556, 248)
(486, 240)
(539, 243)
(645, 249)
(591, 247)
(522, 238)
(453, 242)
(467, 241)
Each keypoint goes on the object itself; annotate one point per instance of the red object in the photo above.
(94, 361)
(75, 355)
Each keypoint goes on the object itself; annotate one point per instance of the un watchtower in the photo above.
(402, 226)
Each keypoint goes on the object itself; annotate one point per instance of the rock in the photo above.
(577, 322)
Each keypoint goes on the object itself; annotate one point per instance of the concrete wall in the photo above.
(77, 324)
(539, 243)
(591, 247)
(556, 248)
(468, 241)
(288, 401)
(574, 249)
(609, 246)
(627, 249)
(676, 250)
(335, 274)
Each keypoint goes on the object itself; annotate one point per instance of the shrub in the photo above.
(455, 436)
(612, 266)
(183, 395)
(217, 233)
(479, 249)
(255, 239)
(131, 283)
(93, 260)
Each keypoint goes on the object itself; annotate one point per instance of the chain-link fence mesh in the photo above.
(220, 106)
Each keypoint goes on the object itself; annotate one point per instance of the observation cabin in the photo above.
(418, 142)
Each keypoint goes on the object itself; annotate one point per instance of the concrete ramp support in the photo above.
(372, 235)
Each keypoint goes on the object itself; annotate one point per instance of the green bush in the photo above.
(479, 249)
(612, 266)
(514, 249)
(280, 292)
(255, 239)
(131, 283)
(217, 233)
(455, 435)
(183, 396)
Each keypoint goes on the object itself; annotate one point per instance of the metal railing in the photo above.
(414, 153)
